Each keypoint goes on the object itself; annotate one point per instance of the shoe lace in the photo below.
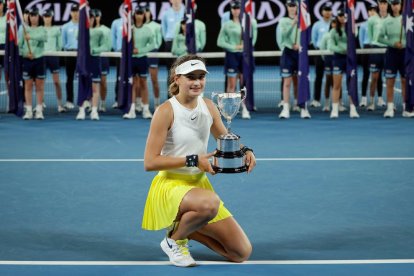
(182, 248)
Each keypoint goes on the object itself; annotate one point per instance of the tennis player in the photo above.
(181, 197)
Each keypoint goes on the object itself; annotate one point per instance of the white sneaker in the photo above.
(138, 108)
(280, 104)
(39, 113)
(177, 252)
(285, 113)
(61, 109)
(115, 105)
(146, 113)
(28, 115)
(371, 107)
(102, 106)
(389, 113)
(364, 102)
(353, 112)
(407, 114)
(81, 114)
(304, 114)
(69, 105)
(381, 102)
(296, 108)
(342, 108)
(315, 103)
(335, 111)
(94, 115)
(87, 106)
(245, 114)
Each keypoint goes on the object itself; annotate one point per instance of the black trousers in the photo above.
(319, 70)
(70, 65)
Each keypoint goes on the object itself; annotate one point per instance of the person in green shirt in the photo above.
(392, 34)
(376, 61)
(54, 43)
(230, 39)
(289, 43)
(338, 45)
(97, 46)
(143, 43)
(104, 60)
(153, 62)
(179, 47)
(32, 45)
(328, 69)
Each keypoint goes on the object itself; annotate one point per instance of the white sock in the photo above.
(138, 100)
(94, 109)
(145, 107)
(156, 101)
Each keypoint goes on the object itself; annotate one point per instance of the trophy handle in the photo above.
(243, 93)
(214, 95)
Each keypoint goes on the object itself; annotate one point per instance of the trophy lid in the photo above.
(229, 136)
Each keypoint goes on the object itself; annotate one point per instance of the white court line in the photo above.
(269, 262)
(258, 159)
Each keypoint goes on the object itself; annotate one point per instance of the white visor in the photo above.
(190, 66)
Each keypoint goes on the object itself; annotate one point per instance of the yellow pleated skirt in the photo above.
(165, 195)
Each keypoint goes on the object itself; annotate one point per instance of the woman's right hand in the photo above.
(204, 162)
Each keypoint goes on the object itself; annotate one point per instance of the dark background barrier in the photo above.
(267, 13)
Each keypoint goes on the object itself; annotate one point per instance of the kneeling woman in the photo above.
(181, 197)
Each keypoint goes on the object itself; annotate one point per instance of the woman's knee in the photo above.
(241, 253)
(209, 206)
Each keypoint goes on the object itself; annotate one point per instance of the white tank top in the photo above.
(189, 133)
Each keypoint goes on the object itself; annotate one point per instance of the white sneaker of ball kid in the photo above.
(81, 114)
(304, 113)
(177, 252)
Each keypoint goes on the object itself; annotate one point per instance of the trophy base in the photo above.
(230, 170)
(229, 162)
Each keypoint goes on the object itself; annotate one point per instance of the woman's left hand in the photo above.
(250, 161)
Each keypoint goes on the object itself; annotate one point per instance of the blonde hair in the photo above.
(173, 88)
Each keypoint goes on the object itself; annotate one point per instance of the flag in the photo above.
(304, 23)
(351, 60)
(12, 64)
(84, 60)
(190, 38)
(125, 71)
(248, 60)
(408, 15)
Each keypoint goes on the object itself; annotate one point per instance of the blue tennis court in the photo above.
(328, 197)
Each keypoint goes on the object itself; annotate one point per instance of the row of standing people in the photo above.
(385, 30)
(37, 38)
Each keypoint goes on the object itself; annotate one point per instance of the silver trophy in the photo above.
(229, 158)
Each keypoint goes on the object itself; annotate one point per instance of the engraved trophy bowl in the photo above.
(229, 158)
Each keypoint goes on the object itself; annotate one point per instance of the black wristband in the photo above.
(245, 149)
(191, 160)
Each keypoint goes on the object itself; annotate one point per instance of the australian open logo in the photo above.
(361, 8)
(266, 13)
(61, 9)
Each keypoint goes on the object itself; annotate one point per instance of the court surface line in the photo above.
(268, 262)
(258, 159)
